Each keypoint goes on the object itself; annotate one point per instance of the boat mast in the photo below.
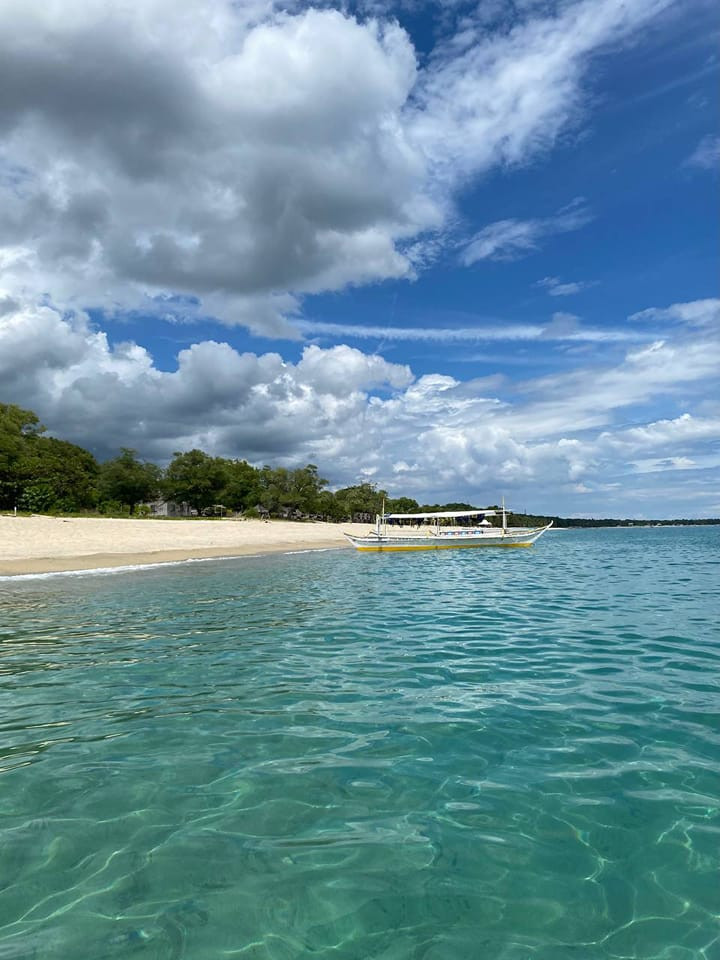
(503, 515)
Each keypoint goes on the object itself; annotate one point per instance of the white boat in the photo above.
(433, 531)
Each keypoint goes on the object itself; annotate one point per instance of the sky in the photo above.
(460, 250)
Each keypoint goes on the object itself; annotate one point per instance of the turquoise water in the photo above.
(471, 754)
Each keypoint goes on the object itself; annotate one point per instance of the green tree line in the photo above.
(40, 474)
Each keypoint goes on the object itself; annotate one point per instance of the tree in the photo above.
(16, 425)
(305, 488)
(329, 507)
(194, 478)
(274, 489)
(364, 498)
(290, 490)
(41, 473)
(402, 505)
(435, 507)
(128, 480)
(56, 475)
(242, 488)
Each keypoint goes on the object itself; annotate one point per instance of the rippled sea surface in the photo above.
(472, 754)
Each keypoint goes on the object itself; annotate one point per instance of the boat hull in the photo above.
(445, 541)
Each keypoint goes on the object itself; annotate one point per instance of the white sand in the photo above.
(47, 544)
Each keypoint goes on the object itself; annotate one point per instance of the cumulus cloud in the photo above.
(512, 239)
(359, 416)
(245, 155)
(264, 159)
(222, 400)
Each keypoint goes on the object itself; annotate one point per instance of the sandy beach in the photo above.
(53, 544)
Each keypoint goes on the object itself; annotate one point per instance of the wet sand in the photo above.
(41, 544)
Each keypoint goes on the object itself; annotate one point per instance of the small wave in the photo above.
(134, 567)
(292, 553)
(104, 571)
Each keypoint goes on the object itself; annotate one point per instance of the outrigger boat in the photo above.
(430, 535)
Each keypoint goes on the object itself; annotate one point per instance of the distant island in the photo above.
(41, 474)
(521, 519)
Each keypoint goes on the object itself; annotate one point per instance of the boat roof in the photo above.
(442, 515)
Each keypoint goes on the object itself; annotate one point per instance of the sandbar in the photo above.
(41, 544)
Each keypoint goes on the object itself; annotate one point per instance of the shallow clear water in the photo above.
(472, 754)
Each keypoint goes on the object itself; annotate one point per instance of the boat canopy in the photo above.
(443, 515)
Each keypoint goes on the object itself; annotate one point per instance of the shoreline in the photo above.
(40, 544)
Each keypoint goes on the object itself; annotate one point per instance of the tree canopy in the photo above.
(39, 473)
(127, 480)
(195, 478)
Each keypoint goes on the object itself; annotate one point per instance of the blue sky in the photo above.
(459, 250)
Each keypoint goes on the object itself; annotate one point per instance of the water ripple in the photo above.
(504, 755)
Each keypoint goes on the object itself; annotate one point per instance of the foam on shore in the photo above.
(159, 564)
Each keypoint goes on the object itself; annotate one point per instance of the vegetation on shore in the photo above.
(40, 474)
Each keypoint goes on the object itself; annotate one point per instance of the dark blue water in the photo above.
(470, 754)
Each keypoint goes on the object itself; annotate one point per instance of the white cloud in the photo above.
(258, 162)
(246, 156)
(695, 313)
(563, 327)
(707, 154)
(663, 464)
(556, 288)
(343, 369)
(357, 415)
(217, 398)
(507, 95)
(512, 239)
(661, 435)
(589, 398)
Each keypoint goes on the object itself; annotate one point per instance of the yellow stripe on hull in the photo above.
(444, 546)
